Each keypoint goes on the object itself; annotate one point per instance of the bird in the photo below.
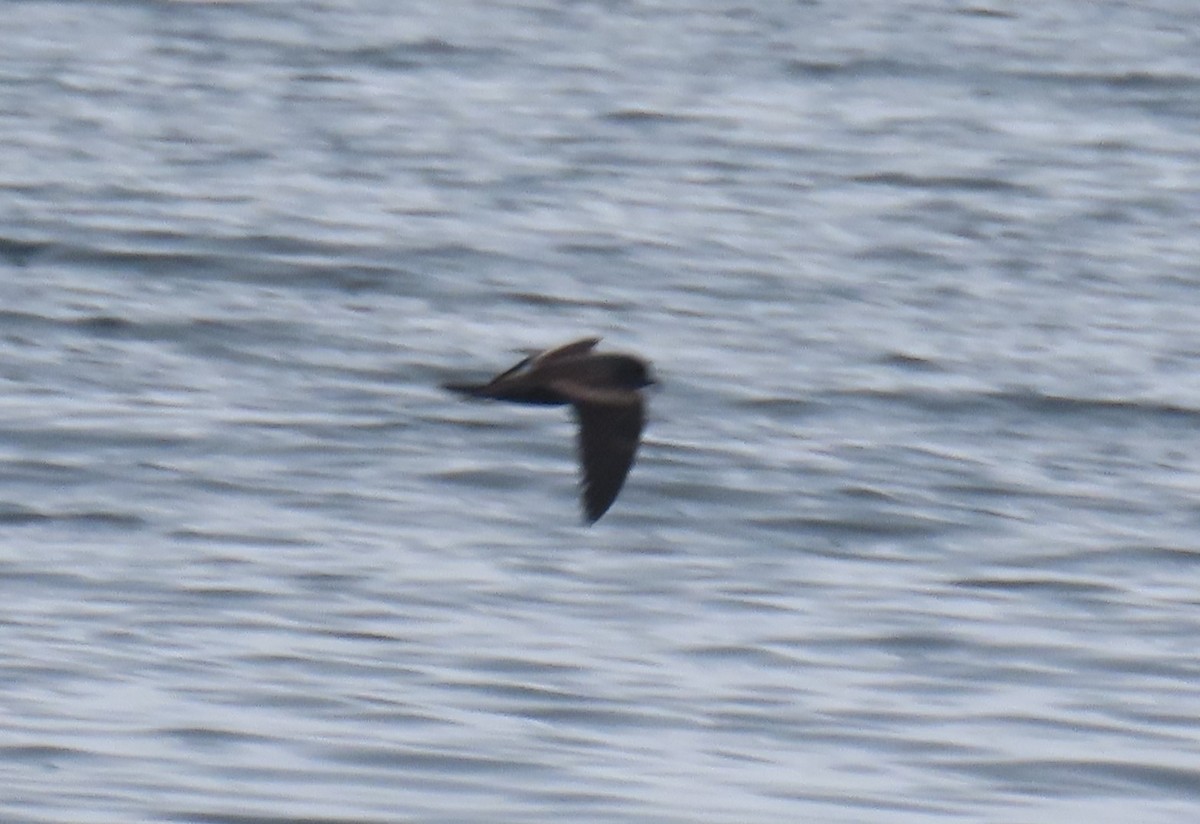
(604, 389)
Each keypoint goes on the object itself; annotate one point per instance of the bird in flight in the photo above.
(604, 391)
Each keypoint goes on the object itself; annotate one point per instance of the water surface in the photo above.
(912, 533)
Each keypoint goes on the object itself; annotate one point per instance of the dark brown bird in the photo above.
(602, 388)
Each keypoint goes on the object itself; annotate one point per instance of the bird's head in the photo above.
(633, 373)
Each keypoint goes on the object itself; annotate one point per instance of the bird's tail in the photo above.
(469, 390)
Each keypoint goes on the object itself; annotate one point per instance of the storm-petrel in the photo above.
(602, 388)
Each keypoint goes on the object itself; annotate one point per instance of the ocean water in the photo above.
(912, 536)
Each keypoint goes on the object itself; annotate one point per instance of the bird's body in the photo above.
(604, 391)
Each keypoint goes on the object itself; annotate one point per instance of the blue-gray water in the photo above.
(913, 535)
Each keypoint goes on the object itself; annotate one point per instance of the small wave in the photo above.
(441, 763)
(332, 63)
(17, 515)
(1035, 584)
(913, 363)
(981, 11)
(1127, 80)
(20, 252)
(1090, 776)
(38, 753)
(865, 68)
(237, 538)
(871, 525)
(537, 299)
(651, 117)
(1110, 409)
(1120, 556)
(943, 182)
(104, 324)
(1029, 401)
(780, 406)
(212, 737)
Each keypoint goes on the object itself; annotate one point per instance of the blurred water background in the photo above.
(913, 533)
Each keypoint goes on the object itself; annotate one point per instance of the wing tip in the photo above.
(595, 504)
(593, 512)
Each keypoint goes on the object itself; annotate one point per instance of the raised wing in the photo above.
(578, 347)
(508, 373)
(610, 426)
(536, 358)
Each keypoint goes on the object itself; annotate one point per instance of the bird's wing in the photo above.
(610, 425)
(578, 347)
(536, 358)
(512, 370)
